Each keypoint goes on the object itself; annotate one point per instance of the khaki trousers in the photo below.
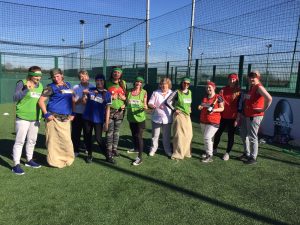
(182, 136)
(59, 143)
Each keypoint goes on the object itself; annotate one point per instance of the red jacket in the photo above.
(210, 118)
(230, 96)
(253, 100)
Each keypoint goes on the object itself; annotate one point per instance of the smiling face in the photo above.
(253, 80)
(210, 90)
(99, 83)
(58, 78)
(164, 86)
(116, 75)
(35, 79)
(138, 84)
(84, 78)
(232, 82)
(185, 85)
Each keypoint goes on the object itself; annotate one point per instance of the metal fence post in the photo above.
(172, 68)
(0, 64)
(241, 68)
(214, 73)
(196, 73)
(298, 80)
(56, 62)
(175, 75)
(248, 71)
(168, 67)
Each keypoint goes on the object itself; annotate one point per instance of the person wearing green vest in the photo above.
(136, 116)
(28, 116)
(117, 88)
(180, 103)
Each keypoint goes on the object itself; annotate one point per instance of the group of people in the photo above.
(70, 111)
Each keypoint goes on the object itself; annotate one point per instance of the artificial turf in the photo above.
(159, 191)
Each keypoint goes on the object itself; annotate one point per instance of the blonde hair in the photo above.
(83, 72)
(166, 80)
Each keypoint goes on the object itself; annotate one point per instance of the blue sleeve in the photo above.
(20, 91)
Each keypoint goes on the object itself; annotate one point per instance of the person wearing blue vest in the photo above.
(96, 115)
(58, 115)
(28, 117)
(78, 122)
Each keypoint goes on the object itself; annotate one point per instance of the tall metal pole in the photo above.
(105, 49)
(134, 50)
(147, 40)
(82, 22)
(190, 48)
(267, 67)
(295, 48)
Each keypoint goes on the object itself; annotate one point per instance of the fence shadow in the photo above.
(189, 193)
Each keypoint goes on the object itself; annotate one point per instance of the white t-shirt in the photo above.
(161, 114)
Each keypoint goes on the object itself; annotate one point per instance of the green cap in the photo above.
(186, 79)
(118, 69)
(140, 79)
(35, 74)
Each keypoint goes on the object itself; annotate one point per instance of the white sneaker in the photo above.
(203, 156)
(137, 161)
(151, 153)
(132, 151)
(226, 157)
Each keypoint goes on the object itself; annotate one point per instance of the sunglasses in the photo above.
(186, 83)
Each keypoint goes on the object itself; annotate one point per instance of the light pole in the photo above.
(190, 47)
(267, 66)
(82, 22)
(105, 47)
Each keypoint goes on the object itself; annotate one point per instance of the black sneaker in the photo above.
(243, 157)
(250, 161)
(110, 160)
(89, 159)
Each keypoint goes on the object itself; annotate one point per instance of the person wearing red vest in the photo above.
(229, 117)
(256, 102)
(211, 107)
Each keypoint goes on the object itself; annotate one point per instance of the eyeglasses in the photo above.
(138, 81)
(186, 83)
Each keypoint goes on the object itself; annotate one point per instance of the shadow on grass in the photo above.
(193, 194)
(7, 146)
(125, 143)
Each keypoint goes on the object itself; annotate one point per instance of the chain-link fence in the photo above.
(265, 33)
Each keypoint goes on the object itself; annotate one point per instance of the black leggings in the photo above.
(77, 127)
(229, 124)
(137, 130)
(88, 128)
